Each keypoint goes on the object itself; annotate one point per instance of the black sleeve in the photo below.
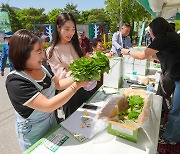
(20, 90)
(159, 43)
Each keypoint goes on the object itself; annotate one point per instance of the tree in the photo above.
(71, 8)
(97, 16)
(31, 16)
(53, 15)
(84, 17)
(131, 10)
(113, 11)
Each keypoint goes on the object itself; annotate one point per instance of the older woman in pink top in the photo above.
(64, 50)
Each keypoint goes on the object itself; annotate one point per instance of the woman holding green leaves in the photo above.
(31, 89)
(64, 50)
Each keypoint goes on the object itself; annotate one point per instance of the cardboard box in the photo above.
(129, 129)
(124, 131)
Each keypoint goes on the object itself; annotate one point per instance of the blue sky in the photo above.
(52, 4)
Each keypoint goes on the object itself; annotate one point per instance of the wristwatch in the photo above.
(129, 52)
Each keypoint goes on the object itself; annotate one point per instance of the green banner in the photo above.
(141, 35)
(5, 25)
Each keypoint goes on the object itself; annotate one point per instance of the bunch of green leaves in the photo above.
(136, 104)
(123, 115)
(89, 68)
(101, 61)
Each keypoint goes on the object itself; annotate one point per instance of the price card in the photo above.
(54, 141)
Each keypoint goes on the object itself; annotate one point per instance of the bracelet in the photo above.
(73, 88)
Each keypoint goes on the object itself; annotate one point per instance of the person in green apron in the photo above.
(31, 89)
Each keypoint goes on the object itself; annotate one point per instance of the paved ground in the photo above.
(8, 140)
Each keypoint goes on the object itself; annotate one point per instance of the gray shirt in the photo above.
(119, 42)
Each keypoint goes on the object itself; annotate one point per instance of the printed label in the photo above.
(54, 141)
(122, 129)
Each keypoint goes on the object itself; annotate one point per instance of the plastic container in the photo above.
(150, 87)
(134, 75)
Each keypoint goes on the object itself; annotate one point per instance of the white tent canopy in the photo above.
(164, 8)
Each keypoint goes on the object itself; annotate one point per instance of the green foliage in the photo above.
(131, 11)
(15, 24)
(97, 16)
(177, 23)
(88, 68)
(133, 116)
(53, 15)
(135, 100)
(123, 115)
(71, 8)
(84, 17)
(46, 45)
(136, 104)
(25, 18)
(113, 13)
(107, 46)
(31, 16)
(93, 16)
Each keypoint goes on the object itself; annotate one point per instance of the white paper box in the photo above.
(128, 68)
(141, 69)
(128, 59)
(114, 77)
(140, 66)
(141, 62)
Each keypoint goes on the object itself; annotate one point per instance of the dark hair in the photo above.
(160, 26)
(95, 42)
(126, 24)
(21, 44)
(60, 21)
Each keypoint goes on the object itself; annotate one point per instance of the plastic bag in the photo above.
(91, 85)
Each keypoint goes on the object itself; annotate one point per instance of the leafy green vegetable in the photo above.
(123, 115)
(135, 100)
(133, 115)
(136, 104)
(89, 68)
